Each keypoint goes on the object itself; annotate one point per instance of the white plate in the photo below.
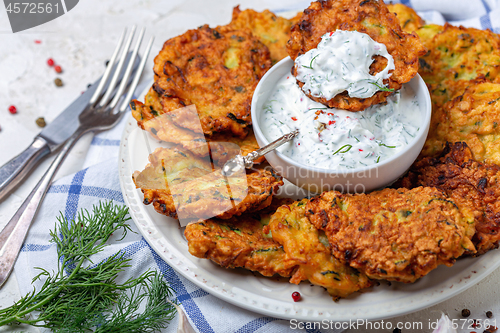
(272, 296)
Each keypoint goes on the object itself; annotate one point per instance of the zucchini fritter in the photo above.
(458, 53)
(221, 146)
(472, 185)
(240, 242)
(217, 70)
(457, 68)
(367, 16)
(391, 234)
(408, 18)
(272, 30)
(309, 247)
(472, 117)
(181, 185)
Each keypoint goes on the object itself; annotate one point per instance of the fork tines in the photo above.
(118, 67)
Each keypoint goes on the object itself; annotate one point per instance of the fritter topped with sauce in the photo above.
(309, 247)
(366, 16)
(217, 70)
(181, 185)
(473, 186)
(391, 234)
(272, 30)
(240, 242)
(472, 117)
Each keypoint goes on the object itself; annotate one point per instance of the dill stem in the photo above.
(47, 299)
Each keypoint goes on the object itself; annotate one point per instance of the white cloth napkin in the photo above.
(99, 181)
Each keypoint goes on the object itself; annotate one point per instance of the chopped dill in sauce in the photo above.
(338, 139)
(322, 75)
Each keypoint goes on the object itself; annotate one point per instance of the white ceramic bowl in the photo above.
(317, 180)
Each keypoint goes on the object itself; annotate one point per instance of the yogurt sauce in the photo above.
(341, 62)
(338, 139)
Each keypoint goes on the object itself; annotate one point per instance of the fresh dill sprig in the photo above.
(381, 88)
(384, 145)
(83, 296)
(343, 149)
(311, 64)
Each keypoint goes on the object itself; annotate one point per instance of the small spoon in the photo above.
(239, 162)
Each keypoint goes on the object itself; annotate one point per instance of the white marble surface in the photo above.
(80, 42)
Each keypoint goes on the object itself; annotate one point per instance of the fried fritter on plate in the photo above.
(183, 186)
(457, 68)
(220, 147)
(309, 247)
(217, 70)
(455, 56)
(458, 53)
(472, 185)
(366, 16)
(472, 117)
(272, 30)
(408, 18)
(240, 242)
(391, 234)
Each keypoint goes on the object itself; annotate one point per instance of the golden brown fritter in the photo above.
(366, 16)
(272, 30)
(473, 186)
(183, 186)
(240, 242)
(472, 117)
(458, 53)
(309, 248)
(217, 70)
(220, 146)
(459, 63)
(393, 234)
(408, 18)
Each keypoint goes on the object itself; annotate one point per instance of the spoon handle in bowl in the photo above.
(266, 149)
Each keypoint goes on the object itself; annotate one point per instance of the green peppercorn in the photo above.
(58, 82)
(41, 122)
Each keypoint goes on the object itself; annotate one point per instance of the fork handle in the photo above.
(17, 168)
(13, 235)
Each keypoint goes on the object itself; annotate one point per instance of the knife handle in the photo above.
(13, 234)
(14, 171)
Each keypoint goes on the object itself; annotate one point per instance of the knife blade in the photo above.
(49, 139)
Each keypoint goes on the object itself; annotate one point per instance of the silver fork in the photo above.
(102, 113)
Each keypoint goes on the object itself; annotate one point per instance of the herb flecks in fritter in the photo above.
(472, 185)
(272, 30)
(217, 70)
(398, 235)
(240, 242)
(309, 246)
(220, 146)
(181, 185)
(408, 18)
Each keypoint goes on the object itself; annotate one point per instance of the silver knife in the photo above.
(49, 140)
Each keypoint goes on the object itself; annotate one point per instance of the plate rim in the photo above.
(227, 291)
